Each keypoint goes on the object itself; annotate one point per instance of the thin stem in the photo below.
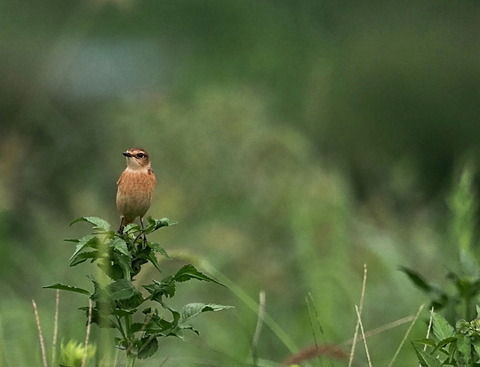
(40, 334)
(357, 310)
(362, 298)
(55, 327)
(87, 334)
(120, 328)
(405, 336)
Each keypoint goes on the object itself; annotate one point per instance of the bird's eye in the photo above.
(140, 155)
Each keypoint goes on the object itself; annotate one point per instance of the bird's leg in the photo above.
(143, 229)
(144, 235)
(120, 229)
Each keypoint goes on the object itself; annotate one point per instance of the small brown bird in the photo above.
(135, 187)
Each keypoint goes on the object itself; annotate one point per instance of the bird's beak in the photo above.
(127, 154)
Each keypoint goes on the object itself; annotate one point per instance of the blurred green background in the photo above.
(294, 142)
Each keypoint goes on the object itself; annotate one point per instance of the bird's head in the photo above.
(137, 158)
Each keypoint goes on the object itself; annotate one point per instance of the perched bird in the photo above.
(135, 187)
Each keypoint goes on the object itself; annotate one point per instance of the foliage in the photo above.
(466, 281)
(116, 300)
(457, 346)
(72, 353)
(453, 346)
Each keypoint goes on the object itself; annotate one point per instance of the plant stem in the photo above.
(131, 361)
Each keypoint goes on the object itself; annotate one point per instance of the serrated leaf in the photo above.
(120, 245)
(192, 310)
(98, 223)
(121, 289)
(188, 272)
(157, 248)
(425, 359)
(82, 243)
(441, 328)
(84, 256)
(69, 288)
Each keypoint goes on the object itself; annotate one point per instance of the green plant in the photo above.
(462, 301)
(451, 346)
(140, 318)
(459, 345)
(73, 352)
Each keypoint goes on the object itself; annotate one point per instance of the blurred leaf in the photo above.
(463, 205)
(417, 279)
(67, 288)
(98, 223)
(192, 310)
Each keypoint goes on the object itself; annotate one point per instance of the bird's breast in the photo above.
(134, 194)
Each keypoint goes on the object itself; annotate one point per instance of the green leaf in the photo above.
(428, 342)
(443, 343)
(148, 347)
(131, 227)
(192, 310)
(441, 328)
(85, 241)
(188, 272)
(157, 248)
(121, 289)
(153, 260)
(69, 288)
(122, 265)
(159, 289)
(154, 224)
(425, 359)
(98, 223)
(84, 256)
(476, 346)
(464, 350)
(120, 245)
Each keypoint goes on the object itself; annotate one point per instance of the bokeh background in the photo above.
(294, 142)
